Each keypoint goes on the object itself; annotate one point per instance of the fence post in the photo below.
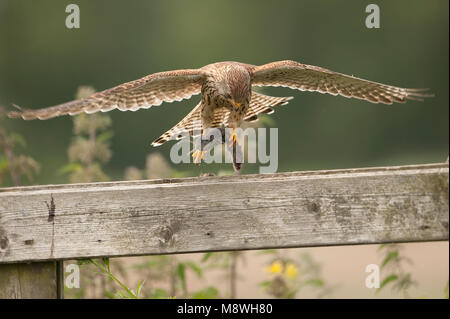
(37, 280)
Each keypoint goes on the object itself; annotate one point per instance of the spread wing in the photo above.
(153, 89)
(316, 79)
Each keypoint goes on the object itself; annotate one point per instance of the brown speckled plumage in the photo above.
(227, 96)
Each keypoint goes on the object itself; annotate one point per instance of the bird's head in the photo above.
(237, 89)
(234, 101)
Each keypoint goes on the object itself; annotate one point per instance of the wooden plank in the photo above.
(35, 280)
(338, 207)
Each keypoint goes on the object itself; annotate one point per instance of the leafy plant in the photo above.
(227, 262)
(104, 268)
(90, 145)
(11, 163)
(288, 276)
(392, 266)
(156, 166)
(165, 269)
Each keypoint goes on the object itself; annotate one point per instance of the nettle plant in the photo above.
(90, 147)
(13, 165)
(393, 268)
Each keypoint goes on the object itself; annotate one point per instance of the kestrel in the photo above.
(226, 92)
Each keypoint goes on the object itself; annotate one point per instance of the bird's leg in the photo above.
(205, 146)
(237, 155)
(233, 137)
(198, 155)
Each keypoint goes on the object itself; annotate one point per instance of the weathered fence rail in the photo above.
(298, 209)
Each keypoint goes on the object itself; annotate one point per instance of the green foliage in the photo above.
(132, 173)
(70, 168)
(392, 266)
(13, 164)
(288, 276)
(156, 166)
(159, 293)
(226, 262)
(160, 270)
(180, 271)
(388, 279)
(18, 139)
(206, 293)
(194, 267)
(391, 256)
(206, 256)
(90, 147)
(104, 267)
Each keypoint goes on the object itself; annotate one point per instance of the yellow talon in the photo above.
(198, 155)
(234, 138)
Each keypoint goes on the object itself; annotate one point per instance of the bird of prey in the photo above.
(227, 98)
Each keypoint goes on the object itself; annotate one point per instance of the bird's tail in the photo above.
(261, 103)
(191, 123)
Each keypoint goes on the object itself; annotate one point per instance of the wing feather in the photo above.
(148, 91)
(316, 79)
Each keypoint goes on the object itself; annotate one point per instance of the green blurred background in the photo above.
(42, 63)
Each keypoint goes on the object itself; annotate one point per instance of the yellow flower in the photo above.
(276, 267)
(291, 270)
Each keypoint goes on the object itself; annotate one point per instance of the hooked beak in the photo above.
(236, 105)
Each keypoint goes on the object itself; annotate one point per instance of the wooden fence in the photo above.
(42, 225)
